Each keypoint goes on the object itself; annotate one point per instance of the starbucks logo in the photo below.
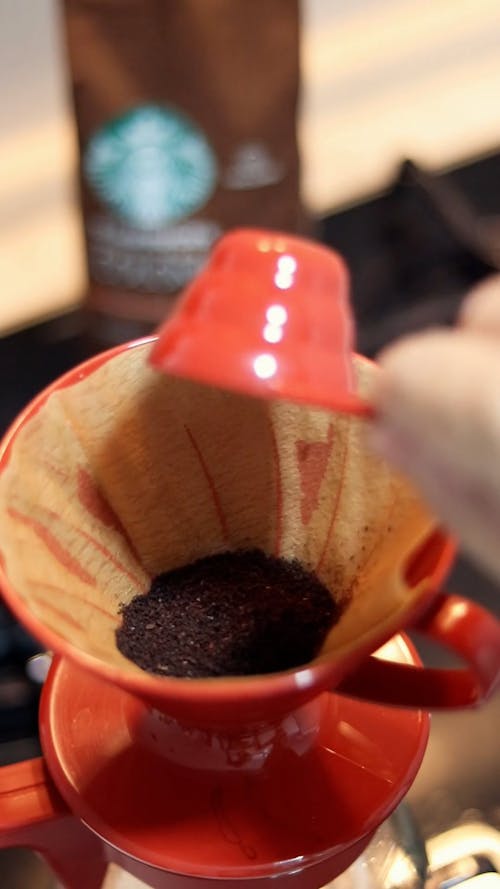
(152, 166)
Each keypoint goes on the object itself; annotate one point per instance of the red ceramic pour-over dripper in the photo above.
(232, 780)
(229, 780)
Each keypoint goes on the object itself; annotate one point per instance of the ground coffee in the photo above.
(230, 614)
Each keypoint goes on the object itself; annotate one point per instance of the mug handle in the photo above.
(466, 628)
(33, 815)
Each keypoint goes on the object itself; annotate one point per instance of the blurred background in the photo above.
(382, 80)
(398, 127)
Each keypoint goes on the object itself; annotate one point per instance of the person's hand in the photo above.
(438, 420)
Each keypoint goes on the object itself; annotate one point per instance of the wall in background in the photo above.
(383, 79)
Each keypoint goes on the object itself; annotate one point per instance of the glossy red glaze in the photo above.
(34, 815)
(462, 626)
(269, 315)
(271, 799)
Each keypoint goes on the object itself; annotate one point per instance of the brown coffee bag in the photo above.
(186, 115)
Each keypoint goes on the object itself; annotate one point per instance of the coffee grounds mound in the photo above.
(231, 614)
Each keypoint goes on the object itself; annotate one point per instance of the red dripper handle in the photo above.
(463, 626)
(268, 316)
(34, 815)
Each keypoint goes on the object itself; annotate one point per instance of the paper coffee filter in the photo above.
(127, 473)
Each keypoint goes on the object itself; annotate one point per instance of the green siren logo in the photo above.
(152, 166)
